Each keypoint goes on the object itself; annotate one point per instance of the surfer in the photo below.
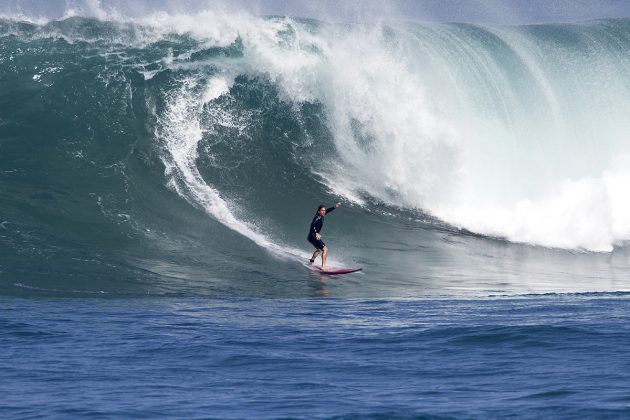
(313, 234)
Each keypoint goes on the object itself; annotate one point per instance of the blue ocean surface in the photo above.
(158, 175)
(531, 356)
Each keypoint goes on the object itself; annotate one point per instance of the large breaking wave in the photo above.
(512, 132)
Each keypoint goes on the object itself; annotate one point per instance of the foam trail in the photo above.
(181, 132)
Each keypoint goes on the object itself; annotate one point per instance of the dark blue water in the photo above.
(531, 356)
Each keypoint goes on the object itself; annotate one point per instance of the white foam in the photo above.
(180, 129)
(414, 129)
(504, 167)
(216, 87)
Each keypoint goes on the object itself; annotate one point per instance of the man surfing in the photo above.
(313, 234)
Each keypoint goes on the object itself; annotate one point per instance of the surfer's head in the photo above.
(321, 210)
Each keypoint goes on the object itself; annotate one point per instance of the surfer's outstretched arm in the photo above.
(336, 206)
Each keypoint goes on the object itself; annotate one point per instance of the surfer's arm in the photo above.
(333, 207)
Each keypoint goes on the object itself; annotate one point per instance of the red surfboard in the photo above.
(333, 270)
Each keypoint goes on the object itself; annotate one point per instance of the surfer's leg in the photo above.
(315, 255)
(324, 254)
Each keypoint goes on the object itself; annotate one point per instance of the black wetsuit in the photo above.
(316, 227)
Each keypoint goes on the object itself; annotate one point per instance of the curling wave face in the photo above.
(170, 144)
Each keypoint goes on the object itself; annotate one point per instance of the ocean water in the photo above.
(158, 176)
(531, 356)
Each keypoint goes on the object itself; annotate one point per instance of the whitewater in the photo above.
(500, 131)
(511, 132)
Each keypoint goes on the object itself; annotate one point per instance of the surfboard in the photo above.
(333, 270)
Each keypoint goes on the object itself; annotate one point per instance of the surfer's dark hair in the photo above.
(321, 206)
